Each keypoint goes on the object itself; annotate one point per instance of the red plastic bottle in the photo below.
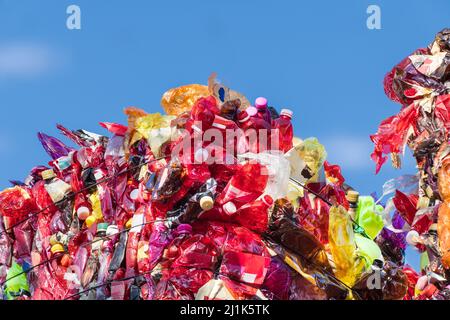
(263, 111)
(256, 130)
(249, 119)
(246, 185)
(285, 130)
(203, 112)
(255, 216)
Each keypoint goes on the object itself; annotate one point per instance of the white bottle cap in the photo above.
(134, 195)
(287, 112)
(112, 230)
(412, 237)
(229, 208)
(251, 111)
(206, 203)
(83, 212)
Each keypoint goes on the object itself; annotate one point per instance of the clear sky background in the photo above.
(317, 58)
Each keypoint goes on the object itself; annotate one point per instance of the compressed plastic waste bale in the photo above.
(138, 215)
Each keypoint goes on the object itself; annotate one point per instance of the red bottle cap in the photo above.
(243, 117)
(267, 200)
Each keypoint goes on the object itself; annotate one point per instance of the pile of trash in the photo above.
(214, 200)
(421, 84)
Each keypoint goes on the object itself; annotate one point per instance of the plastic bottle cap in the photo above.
(243, 117)
(90, 221)
(352, 196)
(48, 174)
(261, 103)
(287, 112)
(64, 163)
(66, 260)
(206, 203)
(134, 195)
(184, 228)
(102, 227)
(57, 248)
(53, 239)
(201, 155)
(129, 223)
(412, 237)
(112, 230)
(229, 208)
(251, 111)
(268, 200)
(83, 212)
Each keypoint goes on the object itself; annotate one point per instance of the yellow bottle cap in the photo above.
(53, 239)
(352, 196)
(206, 203)
(48, 174)
(57, 248)
(129, 223)
(90, 221)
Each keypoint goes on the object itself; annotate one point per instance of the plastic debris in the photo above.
(215, 200)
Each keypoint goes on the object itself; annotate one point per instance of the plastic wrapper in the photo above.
(181, 99)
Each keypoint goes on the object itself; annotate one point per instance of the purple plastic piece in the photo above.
(54, 147)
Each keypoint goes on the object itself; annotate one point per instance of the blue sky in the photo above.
(317, 58)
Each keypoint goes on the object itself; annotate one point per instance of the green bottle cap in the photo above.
(101, 227)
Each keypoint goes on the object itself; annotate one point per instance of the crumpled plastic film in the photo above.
(306, 160)
(178, 100)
